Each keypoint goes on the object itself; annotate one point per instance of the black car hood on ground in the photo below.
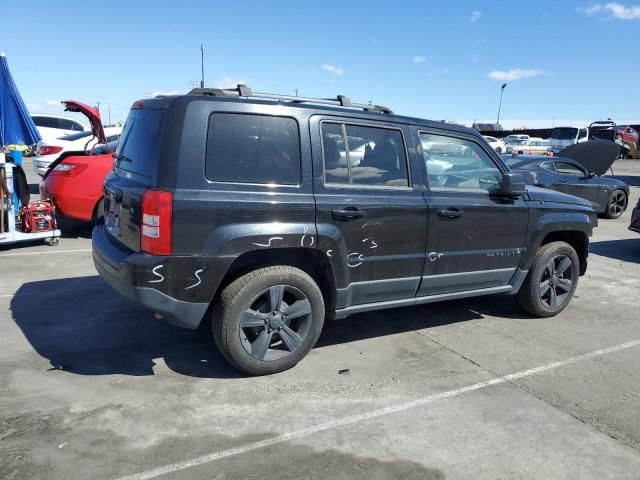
(540, 194)
(594, 155)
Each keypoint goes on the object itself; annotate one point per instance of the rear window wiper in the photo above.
(120, 156)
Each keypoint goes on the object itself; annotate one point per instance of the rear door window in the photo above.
(138, 147)
(364, 155)
(247, 148)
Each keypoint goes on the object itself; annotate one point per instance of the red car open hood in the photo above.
(91, 113)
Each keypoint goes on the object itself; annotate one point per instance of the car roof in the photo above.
(165, 101)
(49, 115)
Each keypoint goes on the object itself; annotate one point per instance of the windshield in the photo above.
(137, 151)
(515, 139)
(564, 133)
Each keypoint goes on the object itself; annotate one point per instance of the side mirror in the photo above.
(512, 185)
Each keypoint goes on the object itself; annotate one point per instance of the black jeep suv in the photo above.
(273, 212)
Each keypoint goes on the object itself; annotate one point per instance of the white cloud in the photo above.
(516, 74)
(227, 81)
(614, 10)
(419, 59)
(53, 103)
(156, 93)
(591, 9)
(330, 68)
(446, 71)
(623, 13)
(475, 16)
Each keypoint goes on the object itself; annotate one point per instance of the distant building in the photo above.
(487, 127)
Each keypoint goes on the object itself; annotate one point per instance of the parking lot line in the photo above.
(44, 252)
(285, 437)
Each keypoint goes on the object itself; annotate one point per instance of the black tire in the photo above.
(250, 299)
(98, 212)
(498, 150)
(536, 296)
(616, 204)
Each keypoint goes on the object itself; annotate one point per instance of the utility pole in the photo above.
(504, 85)
(202, 64)
(296, 90)
(109, 110)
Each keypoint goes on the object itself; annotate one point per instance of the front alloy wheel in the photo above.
(617, 204)
(556, 281)
(551, 281)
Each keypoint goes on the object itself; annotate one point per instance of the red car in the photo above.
(627, 134)
(74, 181)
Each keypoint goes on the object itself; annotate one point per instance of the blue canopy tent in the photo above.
(16, 126)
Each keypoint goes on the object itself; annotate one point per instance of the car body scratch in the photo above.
(355, 259)
(197, 275)
(157, 274)
(268, 244)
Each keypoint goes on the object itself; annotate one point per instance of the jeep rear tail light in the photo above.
(155, 225)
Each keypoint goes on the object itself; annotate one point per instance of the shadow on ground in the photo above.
(71, 228)
(627, 250)
(82, 326)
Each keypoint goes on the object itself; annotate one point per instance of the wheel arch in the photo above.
(577, 239)
(310, 260)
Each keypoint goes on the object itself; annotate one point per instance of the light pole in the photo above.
(504, 85)
(202, 64)
(99, 110)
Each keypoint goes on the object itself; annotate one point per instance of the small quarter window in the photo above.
(244, 148)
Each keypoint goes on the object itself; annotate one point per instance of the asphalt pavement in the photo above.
(93, 386)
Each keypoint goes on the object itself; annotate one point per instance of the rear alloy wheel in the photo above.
(616, 205)
(268, 320)
(551, 281)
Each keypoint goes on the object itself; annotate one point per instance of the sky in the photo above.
(565, 62)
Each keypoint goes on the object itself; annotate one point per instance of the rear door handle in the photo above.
(348, 213)
(450, 213)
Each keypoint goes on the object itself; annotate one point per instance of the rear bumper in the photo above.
(125, 272)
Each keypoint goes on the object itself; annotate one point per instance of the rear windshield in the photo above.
(564, 133)
(138, 148)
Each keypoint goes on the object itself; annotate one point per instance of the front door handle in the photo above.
(450, 213)
(348, 213)
(562, 180)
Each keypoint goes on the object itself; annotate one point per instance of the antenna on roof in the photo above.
(244, 91)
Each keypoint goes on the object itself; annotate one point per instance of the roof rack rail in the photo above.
(244, 91)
